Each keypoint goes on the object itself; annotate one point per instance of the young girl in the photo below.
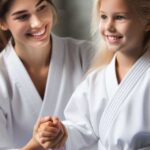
(37, 69)
(110, 109)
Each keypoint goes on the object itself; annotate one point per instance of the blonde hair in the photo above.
(103, 57)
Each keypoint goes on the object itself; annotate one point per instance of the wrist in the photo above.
(32, 145)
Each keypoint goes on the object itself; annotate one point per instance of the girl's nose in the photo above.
(35, 22)
(110, 25)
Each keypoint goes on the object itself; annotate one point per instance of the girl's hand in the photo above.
(60, 140)
(46, 131)
(57, 142)
(37, 132)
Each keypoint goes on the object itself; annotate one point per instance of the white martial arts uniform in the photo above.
(21, 104)
(105, 115)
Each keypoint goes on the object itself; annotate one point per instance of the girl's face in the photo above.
(120, 27)
(30, 23)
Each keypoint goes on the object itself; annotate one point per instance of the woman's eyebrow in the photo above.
(24, 11)
(39, 2)
(19, 12)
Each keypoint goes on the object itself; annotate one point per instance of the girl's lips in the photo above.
(113, 39)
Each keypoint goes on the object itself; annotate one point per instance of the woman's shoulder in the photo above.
(3, 72)
(75, 44)
(3, 81)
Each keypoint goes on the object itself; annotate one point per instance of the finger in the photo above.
(51, 130)
(45, 139)
(56, 121)
(57, 140)
(61, 139)
(45, 124)
(64, 139)
(45, 119)
(47, 134)
(50, 143)
(45, 143)
(42, 120)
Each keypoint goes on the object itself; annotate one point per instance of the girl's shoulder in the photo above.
(95, 76)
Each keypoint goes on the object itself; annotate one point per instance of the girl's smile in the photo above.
(113, 39)
(120, 27)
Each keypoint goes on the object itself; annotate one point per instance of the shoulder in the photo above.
(93, 79)
(96, 75)
(75, 44)
(3, 77)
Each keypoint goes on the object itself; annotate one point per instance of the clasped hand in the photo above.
(49, 132)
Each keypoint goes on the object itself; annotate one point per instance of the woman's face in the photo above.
(30, 23)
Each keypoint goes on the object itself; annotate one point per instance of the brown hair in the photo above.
(4, 8)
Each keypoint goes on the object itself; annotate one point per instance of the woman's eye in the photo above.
(41, 8)
(23, 17)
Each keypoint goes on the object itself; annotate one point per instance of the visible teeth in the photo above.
(114, 37)
(39, 33)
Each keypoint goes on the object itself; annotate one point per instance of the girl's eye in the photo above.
(41, 8)
(23, 17)
(103, 17)
(120, 17)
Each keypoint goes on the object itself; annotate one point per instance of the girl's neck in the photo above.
(124, 62)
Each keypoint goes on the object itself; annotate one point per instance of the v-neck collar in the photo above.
(111, 78)
(20, 77)
(54, 78)
(128, 84)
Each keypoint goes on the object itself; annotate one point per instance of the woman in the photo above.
(35, 67)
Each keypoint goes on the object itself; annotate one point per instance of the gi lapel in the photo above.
(21, 79)
(113, 108)
(54, 78)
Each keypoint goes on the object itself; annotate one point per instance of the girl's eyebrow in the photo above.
(24, 11)
(115, 13)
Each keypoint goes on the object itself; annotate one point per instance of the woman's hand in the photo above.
(49, 132)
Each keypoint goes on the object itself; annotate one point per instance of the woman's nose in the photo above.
(35, 22)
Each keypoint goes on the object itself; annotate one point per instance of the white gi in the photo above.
(105, 115)
(21, 104)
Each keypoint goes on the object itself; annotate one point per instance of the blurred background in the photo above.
(74, 18)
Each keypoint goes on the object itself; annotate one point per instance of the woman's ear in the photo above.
(147, 28)
(3, 26)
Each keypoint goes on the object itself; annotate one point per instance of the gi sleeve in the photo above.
(78, 122)
(87, 53)
(5, 134)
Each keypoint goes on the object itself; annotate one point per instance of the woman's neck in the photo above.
(34, 58)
